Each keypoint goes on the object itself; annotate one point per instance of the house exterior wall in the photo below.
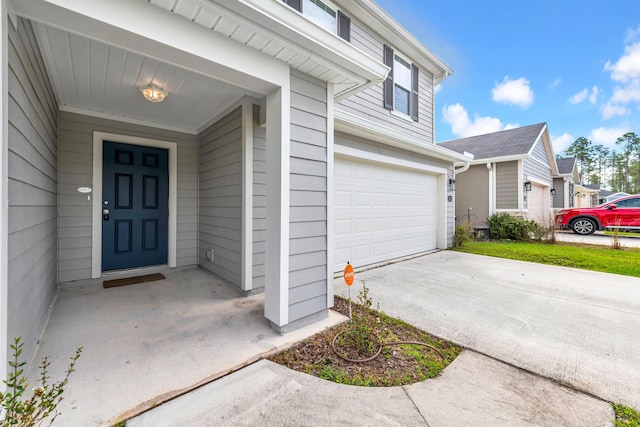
(76, 170)
(220, 187)
(559, 197)
(472, 195)
(259, 203)
(308, 197)
(33, 188)
(368, 103)
(507, 185)
(537, 166)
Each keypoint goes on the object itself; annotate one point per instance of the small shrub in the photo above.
(503, 226)
(44, 400)
(463, 234)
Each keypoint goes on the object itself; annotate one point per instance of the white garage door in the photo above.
(538, 204)
(382, 212)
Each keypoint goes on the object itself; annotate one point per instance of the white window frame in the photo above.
(400, 60)
(328, 5)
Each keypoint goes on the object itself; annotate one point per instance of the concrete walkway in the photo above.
(473, 391)
(580, 328)
(598, 238)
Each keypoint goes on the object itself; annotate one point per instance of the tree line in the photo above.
(617, 169)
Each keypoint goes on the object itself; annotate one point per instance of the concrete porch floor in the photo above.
(146, 342)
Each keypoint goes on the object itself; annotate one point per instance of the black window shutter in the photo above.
(388, 83)
(296, 4)
(413, 107)
(344, 26)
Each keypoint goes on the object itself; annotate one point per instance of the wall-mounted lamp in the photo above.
(527, 186)
(153, 93)
(452, 184)
(553, 191)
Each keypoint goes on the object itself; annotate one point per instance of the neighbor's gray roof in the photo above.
(506, 143)
(565, 165)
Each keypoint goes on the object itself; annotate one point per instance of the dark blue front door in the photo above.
(135, 206)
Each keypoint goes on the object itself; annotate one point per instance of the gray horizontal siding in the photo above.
(308, 197)
(369, 103)
(558, 198)
(220, 183)
(507, 185)
(32, 184)
(76, 170)
(537, 166)
(259, 205)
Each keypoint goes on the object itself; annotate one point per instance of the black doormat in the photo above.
(132, 280)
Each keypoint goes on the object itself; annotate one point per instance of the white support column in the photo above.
(441, 239)
(330, 207)
(247, 195)
(4, 193)
(276, 306)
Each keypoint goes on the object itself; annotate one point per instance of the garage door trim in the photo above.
(349, 152)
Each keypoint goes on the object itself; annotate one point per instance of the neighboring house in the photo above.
(603, 196)
(284, 148)
(590, 195)
(564, 183)
(512, 171)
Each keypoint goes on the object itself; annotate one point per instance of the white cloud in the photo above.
(627, 67)
(513, 92)
(555, 83)
(584, 94)
(633, 35)
(625, 71)
(593, 98)
(610, 109)
(606, 136)
(462, 126)
(626, 94)
(438, 88)
(562, 142)
(579, 97)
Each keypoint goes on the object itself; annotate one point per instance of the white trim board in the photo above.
(96, 211)
(343, 151)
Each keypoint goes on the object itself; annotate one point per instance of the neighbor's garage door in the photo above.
(382, 212)
(538, 204)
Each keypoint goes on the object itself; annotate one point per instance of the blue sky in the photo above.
(572, 64)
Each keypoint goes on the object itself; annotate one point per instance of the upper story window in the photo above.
(401, 85)
(325, 15)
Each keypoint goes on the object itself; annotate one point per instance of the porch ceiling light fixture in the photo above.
(527, 186)
(153, 93)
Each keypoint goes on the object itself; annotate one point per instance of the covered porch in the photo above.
(247, 128)
(149, 342)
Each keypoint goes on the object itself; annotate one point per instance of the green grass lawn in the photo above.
(608, 260)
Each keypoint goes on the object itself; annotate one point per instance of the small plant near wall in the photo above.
(16, 409)
(503, 226)
(463, 234)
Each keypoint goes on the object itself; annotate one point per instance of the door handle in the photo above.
(105, 214)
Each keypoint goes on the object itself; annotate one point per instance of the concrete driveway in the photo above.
(598, 238)
(577, 327)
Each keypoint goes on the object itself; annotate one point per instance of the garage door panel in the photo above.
(382, 212)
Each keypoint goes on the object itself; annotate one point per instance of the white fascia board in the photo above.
(499, 159)
(358, 126)
(380, 21)
(322, 45)
(163, 36)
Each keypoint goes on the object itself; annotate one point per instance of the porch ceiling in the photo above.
(92, 77)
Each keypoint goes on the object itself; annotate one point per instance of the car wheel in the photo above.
(583, 226)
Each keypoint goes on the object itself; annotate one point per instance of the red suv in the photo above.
(623, 213)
